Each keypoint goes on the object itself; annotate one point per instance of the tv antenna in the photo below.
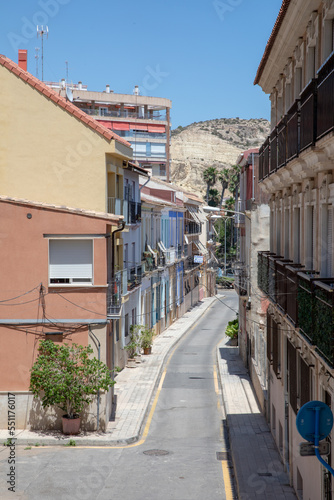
(36, 57)
(42, 31)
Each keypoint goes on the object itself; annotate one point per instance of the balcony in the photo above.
(114, 297)
(305, 298)
(309, 119)
(192, 228)
(240, 282)
(131, 210)
(150, 262)
(117, 113)
(134, 275)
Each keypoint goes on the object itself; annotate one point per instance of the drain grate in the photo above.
(265, 474)
(222, 455)
(197, 378)
(156, 453)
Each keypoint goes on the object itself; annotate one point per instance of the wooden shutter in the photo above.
(305, 387)
(275, 340)
(269, 338)
(292, 363)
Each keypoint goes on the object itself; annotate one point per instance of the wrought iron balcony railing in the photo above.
(309, 119)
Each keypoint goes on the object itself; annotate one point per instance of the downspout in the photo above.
(117, 230)
(98, 392)
(253, 179)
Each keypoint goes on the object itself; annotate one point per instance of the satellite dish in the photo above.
(69, 94)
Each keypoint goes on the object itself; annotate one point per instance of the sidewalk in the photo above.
(134, 389)
(257, 465)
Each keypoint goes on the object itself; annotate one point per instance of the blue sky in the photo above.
(203, 55)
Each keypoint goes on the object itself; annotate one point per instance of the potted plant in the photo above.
(232, 330)
(133, 345)
(67, 377)
(146, 339)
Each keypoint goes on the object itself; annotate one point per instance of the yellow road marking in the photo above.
(227, 480)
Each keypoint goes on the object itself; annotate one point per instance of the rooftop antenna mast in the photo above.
(42, 31)
(36, 57)
(66, 62)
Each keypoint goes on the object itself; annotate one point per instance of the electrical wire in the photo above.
(19, 296)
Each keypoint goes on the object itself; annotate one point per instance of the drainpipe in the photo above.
(98, 392)
(253, 179)
(146, 182)
(117, 230)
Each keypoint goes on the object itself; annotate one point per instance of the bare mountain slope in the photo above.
(212, 143)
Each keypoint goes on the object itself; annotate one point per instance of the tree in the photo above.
(65, 376)
(234, 181)
(209, 176)
(223, 178)
(213, 199)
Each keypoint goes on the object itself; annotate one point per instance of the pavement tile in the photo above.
(253, 448)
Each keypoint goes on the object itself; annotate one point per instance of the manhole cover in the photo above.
(156, 453)
(222, 455)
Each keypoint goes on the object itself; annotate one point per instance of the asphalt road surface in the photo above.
(178, 458)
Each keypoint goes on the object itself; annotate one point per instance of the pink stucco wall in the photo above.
(24, 263)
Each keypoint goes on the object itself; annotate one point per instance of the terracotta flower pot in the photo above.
(147, 350)
(71, 425)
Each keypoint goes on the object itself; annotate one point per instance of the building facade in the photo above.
(296, 271)
(143, 121)
(54, 285)
(253, 235)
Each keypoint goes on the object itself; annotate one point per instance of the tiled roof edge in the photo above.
(59, 100)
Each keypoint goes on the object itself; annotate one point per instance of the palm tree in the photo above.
(223, 178)
(213, 199)
(209, 176)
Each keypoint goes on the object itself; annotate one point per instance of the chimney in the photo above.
(22, 60)
(62, 83)
(80, 85)
(108, 89)
(136, 90)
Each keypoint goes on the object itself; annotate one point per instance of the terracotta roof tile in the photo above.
(59, 100)
(272, 38)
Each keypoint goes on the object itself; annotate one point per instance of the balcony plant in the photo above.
(65, 376)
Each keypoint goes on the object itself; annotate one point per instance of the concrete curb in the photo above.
(56, 438)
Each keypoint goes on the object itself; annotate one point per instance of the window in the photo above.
(126, 325)
(70, 261)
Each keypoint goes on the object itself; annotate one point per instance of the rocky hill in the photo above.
(212, 143)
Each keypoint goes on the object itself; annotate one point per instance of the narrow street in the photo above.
(178, 459)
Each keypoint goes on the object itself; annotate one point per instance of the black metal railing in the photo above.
(292, 131)
(306, 299)
(134, 214)
(114, 296)
(273, 151)
(281, 143)
(192, 228)
(308, 103)
(308, 119)
(325, 102)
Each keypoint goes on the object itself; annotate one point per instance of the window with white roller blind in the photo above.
(70, 261)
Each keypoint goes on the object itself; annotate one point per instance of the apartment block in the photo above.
(296, 272)
(144, 121)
